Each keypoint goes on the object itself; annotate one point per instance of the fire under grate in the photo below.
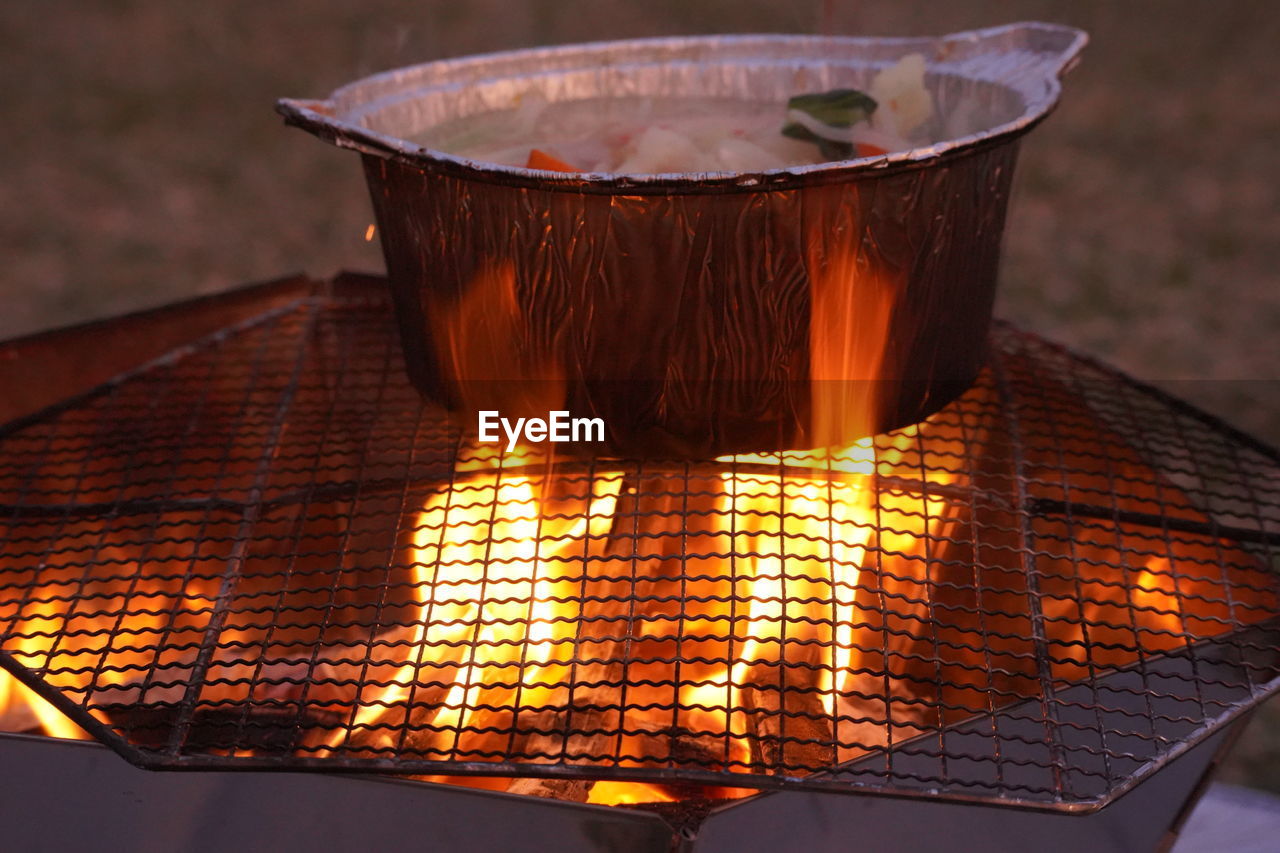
(262, 550)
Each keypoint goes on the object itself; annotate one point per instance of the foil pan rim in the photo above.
(1041, 94)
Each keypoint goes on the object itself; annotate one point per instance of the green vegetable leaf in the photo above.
(838, 108)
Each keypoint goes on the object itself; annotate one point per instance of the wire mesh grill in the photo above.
(264, 551)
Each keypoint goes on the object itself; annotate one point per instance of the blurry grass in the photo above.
(144, 164)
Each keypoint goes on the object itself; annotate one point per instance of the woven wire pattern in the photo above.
(265, 550)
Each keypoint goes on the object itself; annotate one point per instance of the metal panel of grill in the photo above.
(262, 550)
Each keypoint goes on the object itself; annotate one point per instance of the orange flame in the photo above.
(514, 571)
(484, 346)
(851, 306)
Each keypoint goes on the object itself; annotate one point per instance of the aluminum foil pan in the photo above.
(699, 314)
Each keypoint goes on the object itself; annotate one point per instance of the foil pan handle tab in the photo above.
(1029, 57)
(321, 118)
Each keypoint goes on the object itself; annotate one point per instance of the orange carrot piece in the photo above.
(866, 149)
(543, 160)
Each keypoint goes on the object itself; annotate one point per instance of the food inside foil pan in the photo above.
(633, 135)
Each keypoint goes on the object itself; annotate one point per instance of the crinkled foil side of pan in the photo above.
(700, 314)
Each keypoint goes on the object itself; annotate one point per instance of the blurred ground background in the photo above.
(143, 164)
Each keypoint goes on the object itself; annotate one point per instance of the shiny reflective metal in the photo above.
(681, 308)
(212, 812)
(209, 561)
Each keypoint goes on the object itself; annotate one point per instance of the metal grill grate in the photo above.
(263, 551)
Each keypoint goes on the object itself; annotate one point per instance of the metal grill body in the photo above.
(263, 550)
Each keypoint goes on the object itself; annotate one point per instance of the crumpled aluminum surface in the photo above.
(699, 314)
